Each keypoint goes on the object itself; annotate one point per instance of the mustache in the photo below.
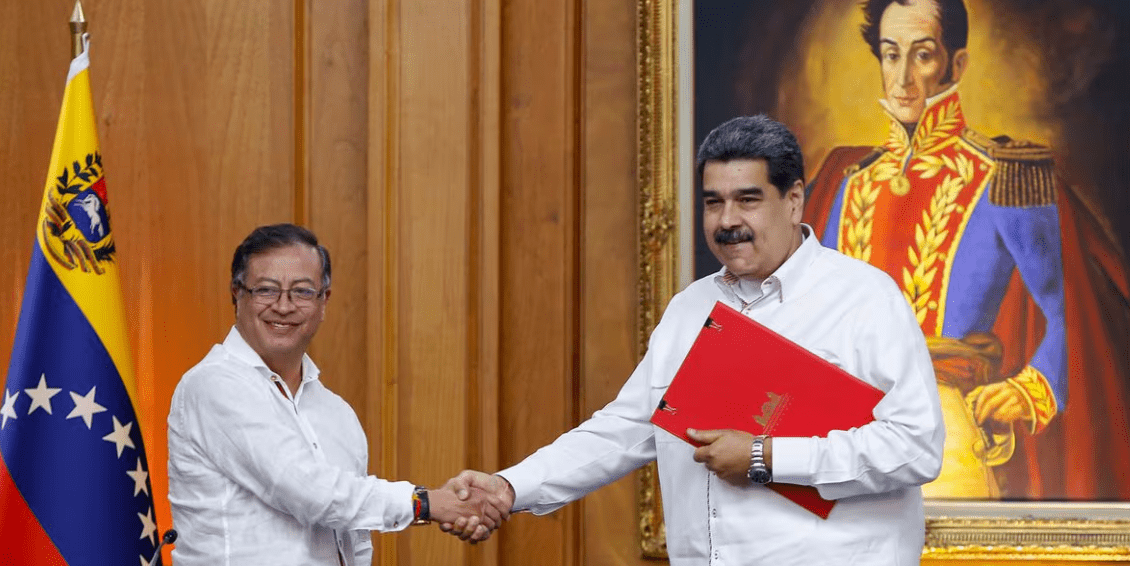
(725, 236)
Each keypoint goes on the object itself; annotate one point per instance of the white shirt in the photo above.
(845, 311)
(257, 476)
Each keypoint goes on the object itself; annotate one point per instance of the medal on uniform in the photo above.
(899, 185)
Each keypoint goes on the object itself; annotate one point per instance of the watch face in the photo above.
(760, 475)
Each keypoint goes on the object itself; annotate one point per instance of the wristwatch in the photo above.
(421, 511)
(758, 471)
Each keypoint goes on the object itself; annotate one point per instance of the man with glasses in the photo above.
(267, 465)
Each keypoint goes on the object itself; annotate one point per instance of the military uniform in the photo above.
(952, 215)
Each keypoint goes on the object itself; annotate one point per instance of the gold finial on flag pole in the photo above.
(78, 27)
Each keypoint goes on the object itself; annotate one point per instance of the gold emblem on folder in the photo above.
(769, 410)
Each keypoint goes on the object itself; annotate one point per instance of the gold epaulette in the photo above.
(1025, 173)
(867, 160)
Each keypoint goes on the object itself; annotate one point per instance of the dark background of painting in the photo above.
(742, 55)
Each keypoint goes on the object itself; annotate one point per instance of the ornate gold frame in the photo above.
(658, 244)
(975, 531)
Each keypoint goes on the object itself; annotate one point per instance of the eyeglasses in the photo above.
(301, 296)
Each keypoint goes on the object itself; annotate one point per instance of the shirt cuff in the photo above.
(525, 488)
(792, 458)
(398, 511)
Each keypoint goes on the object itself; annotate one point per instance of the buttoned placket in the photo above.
(311, 438)
(770, 286)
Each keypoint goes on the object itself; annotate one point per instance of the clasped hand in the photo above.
(472, 505)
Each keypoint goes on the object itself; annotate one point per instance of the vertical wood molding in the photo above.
(382, 419)
(484, 257)
(301, 112)
(539, 234)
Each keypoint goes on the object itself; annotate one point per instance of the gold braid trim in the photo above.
(1025, 173)
(1038, 393)
(936, 127)
(859, 210)
(918, 280)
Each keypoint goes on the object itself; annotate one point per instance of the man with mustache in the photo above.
(1019, 289)
(718, 510)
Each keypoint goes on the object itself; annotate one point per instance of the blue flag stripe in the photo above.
(73, 479)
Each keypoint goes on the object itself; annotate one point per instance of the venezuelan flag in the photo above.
(74, 482)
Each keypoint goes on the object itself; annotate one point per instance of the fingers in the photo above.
(1000, 402)
(726, 453)
(480, 534)
(702, 454)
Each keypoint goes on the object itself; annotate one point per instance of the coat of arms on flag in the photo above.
(77, 224)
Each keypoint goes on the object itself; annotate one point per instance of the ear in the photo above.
(795, 196)
(960, 63)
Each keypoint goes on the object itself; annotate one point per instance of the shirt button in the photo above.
(315, 446)
(714, 513)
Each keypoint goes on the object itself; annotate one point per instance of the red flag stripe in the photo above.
(22, 539)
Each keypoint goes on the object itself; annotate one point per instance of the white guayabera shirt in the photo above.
(257, 476)
(845, 311)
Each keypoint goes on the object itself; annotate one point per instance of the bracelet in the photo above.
(421, 511)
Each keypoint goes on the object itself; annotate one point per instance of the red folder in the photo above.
(741, 375)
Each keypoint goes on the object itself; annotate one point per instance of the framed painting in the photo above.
(1037, 311)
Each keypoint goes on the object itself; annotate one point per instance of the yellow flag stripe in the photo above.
(98, 295)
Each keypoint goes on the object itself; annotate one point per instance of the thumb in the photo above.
(704, 436)
(461, 484)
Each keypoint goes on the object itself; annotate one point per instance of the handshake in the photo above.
(471, 505)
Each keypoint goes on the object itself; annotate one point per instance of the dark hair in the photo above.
(952, 15)
(275, 236)
(755, 137)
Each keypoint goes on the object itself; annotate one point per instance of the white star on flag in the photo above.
(120, 436)
(9, 408)
(41, 395)
(148, 527)
(139, 476)
(85, 406)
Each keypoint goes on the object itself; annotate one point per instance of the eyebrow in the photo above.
(926, 39)
(279, 283)
(739, 192)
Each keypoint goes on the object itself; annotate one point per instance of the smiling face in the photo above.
(280, 331)
(750, 226)
(913, 59)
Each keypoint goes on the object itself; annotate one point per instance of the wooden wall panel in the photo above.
(433, 227)
(608, 276)
(333, 188)
(539, 258)
(433, 252)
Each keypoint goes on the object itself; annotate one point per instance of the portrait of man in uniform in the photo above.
(1017, 275)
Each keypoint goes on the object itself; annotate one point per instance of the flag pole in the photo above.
(78, 27)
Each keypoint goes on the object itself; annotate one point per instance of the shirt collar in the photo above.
(238, 347)
(787, 276)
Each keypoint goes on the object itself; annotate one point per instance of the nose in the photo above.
(906, 78)
(729, 217)
(284, 304)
